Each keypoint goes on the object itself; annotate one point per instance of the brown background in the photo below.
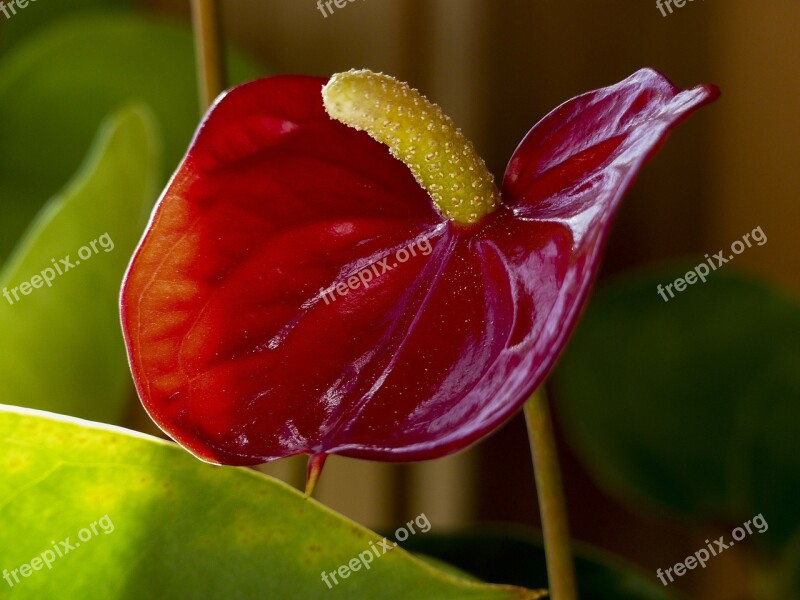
(497, 66)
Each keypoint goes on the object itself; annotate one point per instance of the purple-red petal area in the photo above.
(296, 291)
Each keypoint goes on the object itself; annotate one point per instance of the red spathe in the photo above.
(297, 292)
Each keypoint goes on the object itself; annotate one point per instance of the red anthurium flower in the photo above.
(332, 269)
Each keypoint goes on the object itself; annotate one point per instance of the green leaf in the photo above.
(36, 14)
(57, 86)
(509, 556)
(692, 404)
(178, 528)
(61, 347)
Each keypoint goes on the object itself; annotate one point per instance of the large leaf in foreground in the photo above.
(60, 347)
(57, 86)
(179, 528)
(694, 403)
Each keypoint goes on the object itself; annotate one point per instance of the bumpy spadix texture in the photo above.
(419, 134)
(297, 290)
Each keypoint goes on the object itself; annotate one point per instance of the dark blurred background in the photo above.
(497, 67)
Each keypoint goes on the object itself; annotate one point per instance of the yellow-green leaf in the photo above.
(170, 526)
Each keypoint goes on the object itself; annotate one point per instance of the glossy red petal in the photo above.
(296, 292)
(560, 193)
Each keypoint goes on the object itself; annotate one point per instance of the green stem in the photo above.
(560, 568)
(209, 49)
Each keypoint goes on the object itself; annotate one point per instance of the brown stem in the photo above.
(560, 568)
(209, 50)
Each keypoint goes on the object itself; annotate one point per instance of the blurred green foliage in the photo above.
(26, 22)
(57, 86)
(61, 349)
(693, 404)
(506, 556)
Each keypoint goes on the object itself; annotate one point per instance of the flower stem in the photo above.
(209, 49)
(315, 464)
(560, 569)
